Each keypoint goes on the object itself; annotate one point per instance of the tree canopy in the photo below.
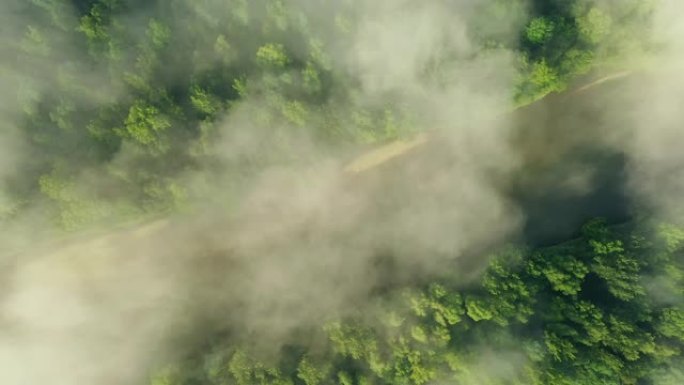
(582, 312)
(136, 91)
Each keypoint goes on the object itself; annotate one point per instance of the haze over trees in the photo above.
(119, 111)
(137, 89)
(602, 309)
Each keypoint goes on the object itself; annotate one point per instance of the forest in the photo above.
(229, 117)
(100, 87)
(601, 309)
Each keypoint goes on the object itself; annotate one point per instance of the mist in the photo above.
(275, 234)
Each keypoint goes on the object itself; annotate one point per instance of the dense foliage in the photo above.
(120, 100)
(602, 309)
(118, 106)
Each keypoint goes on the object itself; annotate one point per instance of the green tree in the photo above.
(539, 30)
(146, 124)
(594, 25)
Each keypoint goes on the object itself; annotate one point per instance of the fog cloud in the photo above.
(288, 245)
